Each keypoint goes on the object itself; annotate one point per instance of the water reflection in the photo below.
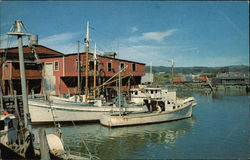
(119, 142)
(216, 94)
(229, 92)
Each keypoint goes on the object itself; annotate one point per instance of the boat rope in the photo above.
(81, 137)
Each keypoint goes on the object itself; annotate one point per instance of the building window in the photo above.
(109, 66)
(122, 65)
(56, 66)
(134, 67)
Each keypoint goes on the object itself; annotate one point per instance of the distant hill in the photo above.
(200, 69)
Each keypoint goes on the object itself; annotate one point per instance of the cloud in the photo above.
(153, 36)
(8, 41)
(134, 29)
(63, 42)
(158, 54)
(58, 38)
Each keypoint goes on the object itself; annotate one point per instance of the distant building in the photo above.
(229, 81)
(177, 79)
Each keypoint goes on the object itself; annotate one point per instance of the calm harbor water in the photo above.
(219, 128)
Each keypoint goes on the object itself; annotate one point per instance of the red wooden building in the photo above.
(56, 73)
(9, 68)
(61, 72)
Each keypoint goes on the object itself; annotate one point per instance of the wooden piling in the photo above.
(44, 147)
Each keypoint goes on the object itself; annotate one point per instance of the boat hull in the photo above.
(146, 118)
(42, 112)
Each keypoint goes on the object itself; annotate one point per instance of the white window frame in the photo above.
(55, 66)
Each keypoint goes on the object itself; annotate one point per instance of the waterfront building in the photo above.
(56, 73)
(9, 68)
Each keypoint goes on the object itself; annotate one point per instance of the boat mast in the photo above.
(87, 62)
(151, 73)
(172, 69)
(95, 71)
(78, 68)
(19, 35)
(119, 89)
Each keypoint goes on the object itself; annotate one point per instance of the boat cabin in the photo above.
(138, 95)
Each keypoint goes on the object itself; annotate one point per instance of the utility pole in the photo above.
(78, 68)
(19, 35)
(87, 63)
(95, 71)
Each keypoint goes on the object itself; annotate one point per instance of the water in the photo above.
(219, 129)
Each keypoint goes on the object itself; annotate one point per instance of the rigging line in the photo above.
(81, 137)
(9, 41)
(106, 35)
(25, 28)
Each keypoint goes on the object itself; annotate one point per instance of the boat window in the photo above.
(1, 125)
(173, 107)
(168, 102)
(10, 124)
(152, 92)
(136, 93)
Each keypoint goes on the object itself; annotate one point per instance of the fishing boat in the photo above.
(160, 109)
(42, 111)
(14, 144)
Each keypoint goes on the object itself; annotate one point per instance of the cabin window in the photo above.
(122, 65)
(152, 92)
(56, 66)
(109, 66)
(136, 93)
(134, 67)
(1, 125)
(173, 107)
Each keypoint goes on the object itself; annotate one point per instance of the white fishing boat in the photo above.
(42, 111)
(158, 111)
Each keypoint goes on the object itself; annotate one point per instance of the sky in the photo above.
(194, 33)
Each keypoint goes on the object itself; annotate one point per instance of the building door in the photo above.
(49, 79)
